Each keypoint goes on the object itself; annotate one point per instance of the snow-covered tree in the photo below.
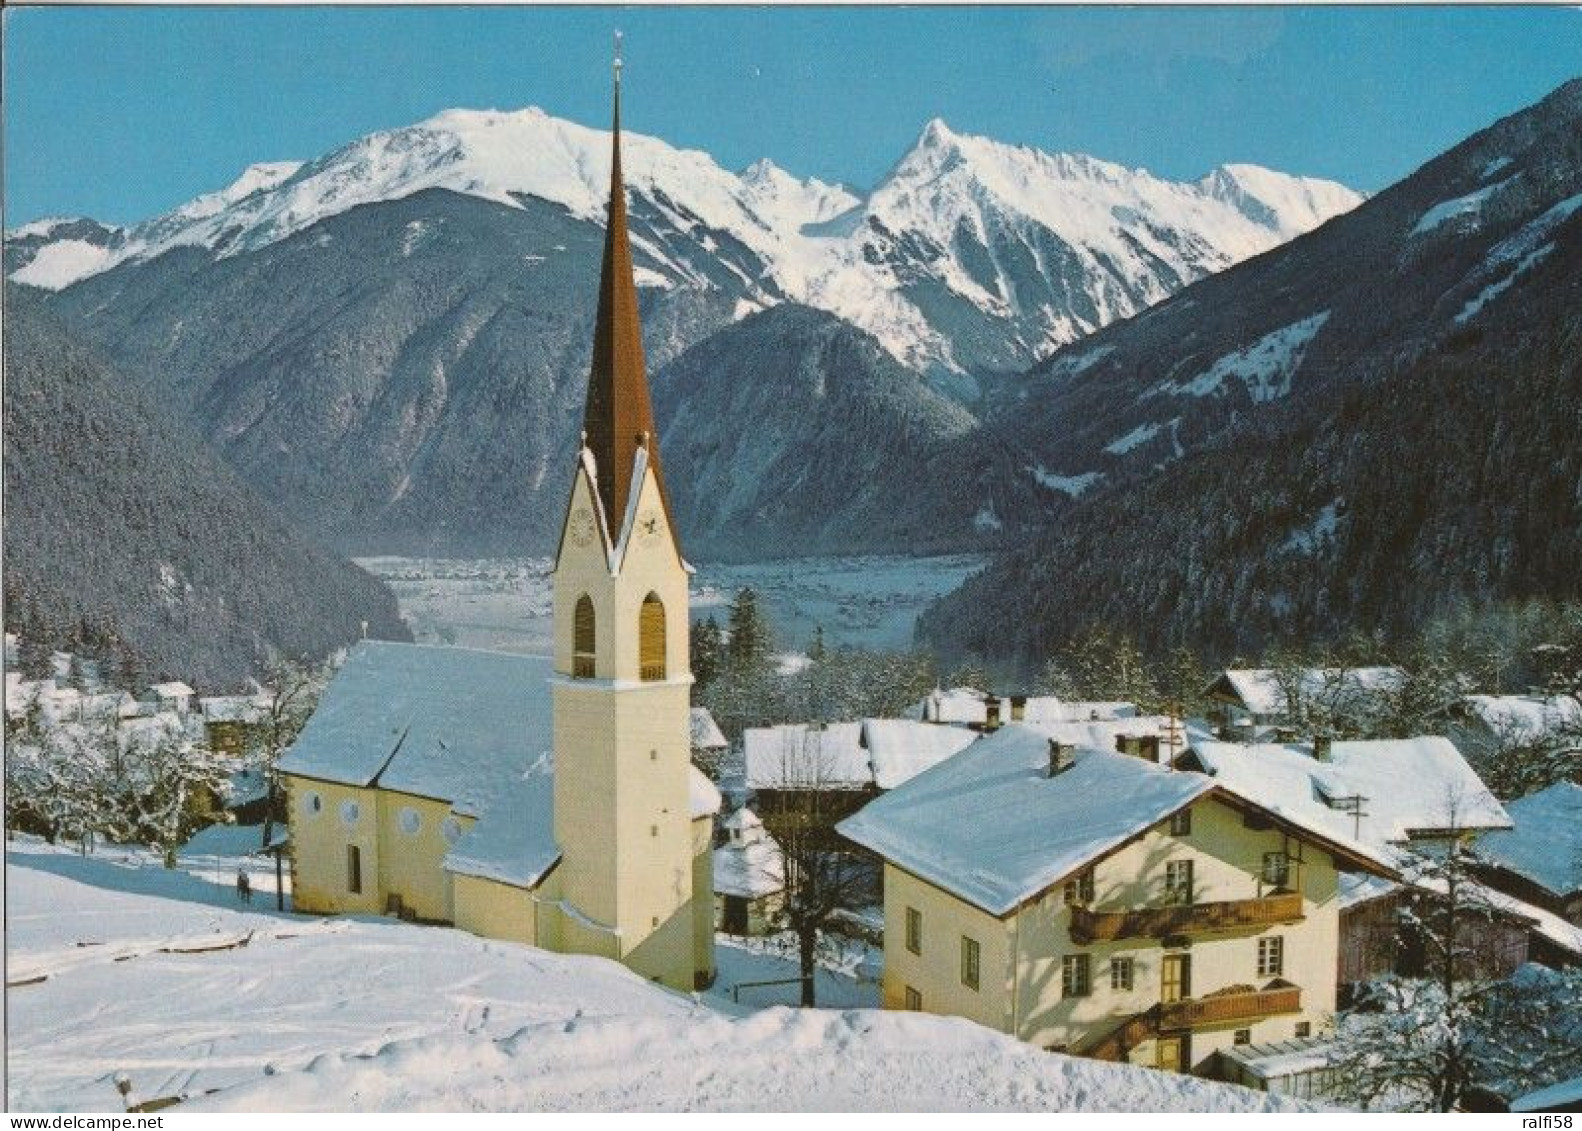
(1414, 1041)
(173, 785)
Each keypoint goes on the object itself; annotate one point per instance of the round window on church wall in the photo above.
(452, 830)
(312, 804)
(411, 822)
(349, 812)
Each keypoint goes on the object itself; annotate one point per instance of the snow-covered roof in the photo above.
(1048, 709)
(514, 842)
(956, 705)
(1261, 691)
(900, 749)
(799, 756)
(881, 752)
(1567, 1092)
(1411, 785)
(1525, 717)
(1541, 921)
(704, 795)
(234, 708)
(751, 867)
(1360, 887)
(1034, 829)
(706, 733)
(175, 689)
(454, 724)
(1545, 843)
(1274, 1060)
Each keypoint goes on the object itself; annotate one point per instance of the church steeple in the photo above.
(619, 419)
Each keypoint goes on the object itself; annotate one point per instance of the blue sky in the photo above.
(122, 113)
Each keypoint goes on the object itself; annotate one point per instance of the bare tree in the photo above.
(824, 875)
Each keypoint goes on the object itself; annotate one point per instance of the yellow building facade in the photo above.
(1113, 908)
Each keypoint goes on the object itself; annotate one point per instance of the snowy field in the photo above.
(504, 603)
(118, 967)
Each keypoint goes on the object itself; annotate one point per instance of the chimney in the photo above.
(1062, 755)
(991, 716)
(1321, 747)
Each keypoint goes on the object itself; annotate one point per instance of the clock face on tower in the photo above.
(650, 525)
(582, 526)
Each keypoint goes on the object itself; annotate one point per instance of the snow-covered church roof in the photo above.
(453, 724)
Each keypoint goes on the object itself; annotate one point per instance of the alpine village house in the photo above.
(424, 784)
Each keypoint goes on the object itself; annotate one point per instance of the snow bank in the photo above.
(285, 1012)
(776, 1060)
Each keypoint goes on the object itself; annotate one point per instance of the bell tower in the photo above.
(622, 684)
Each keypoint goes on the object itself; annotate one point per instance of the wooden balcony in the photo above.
(1089, 926)
(1227, 1008)
(1243, 1003)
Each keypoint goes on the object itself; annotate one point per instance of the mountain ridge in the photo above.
(1362, 429)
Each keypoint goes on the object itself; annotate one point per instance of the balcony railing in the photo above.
(1215, 1009)
(1225, 1008)
(1192, 918)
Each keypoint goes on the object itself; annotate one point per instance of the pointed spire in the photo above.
(620, 416)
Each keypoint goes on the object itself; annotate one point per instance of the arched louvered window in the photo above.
(582, 637)
(651, 638)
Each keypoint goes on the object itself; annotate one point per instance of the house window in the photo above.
(1079, 889)
(914, 1000)
(914, 930)
(582, 639)
(1075, 979)
(1304, 1028)
(354, 869)
(1178, 881)
(1241, 1037)
(1181, 823)
(969, 962)
(1120, 973)
(1271, 956)
(1276, 869)
(651, 638)
(1175, 978)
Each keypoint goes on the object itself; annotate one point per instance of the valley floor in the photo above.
(117, 968)
(502, 604)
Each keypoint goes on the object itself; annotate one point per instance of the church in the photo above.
(553, 800)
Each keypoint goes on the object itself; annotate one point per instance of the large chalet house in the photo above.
(550, 801)
(1106, 904)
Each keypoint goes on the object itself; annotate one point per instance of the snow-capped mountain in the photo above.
(1368, 427)
(971, 256)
